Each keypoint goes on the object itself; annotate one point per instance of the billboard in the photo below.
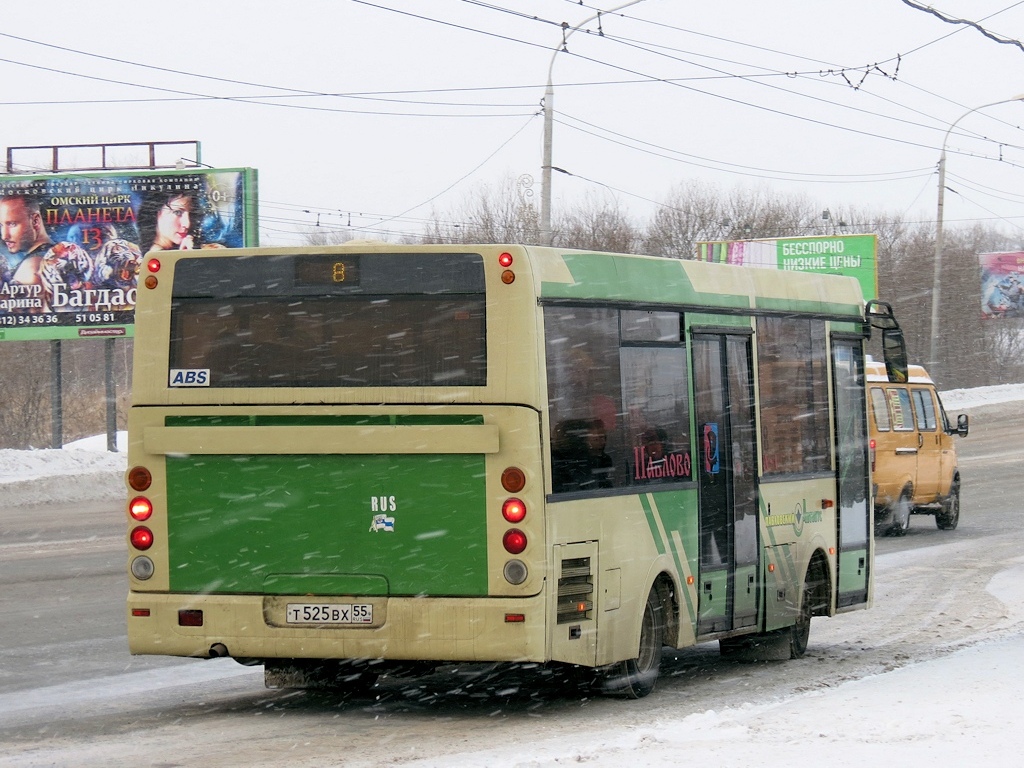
(1002, 284)
(852, 255)
(71, 244)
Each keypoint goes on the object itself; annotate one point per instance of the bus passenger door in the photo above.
(852, 462)
(727, 478)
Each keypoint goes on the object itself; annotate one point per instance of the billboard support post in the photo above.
(111, 387)
(56, 409)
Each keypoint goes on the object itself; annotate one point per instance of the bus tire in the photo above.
(901, 514)
(948, 517)
(635, 678)
(800, 632)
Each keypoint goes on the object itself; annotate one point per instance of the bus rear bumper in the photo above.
(403, 628)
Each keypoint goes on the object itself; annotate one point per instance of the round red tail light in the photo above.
(140, 508)
(513, 510)
(141, 537)
(505, 259)
(154, 265)
(514, 541)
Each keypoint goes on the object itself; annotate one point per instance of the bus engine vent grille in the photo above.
(575, 590)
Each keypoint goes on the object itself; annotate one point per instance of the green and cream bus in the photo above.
(349, 458)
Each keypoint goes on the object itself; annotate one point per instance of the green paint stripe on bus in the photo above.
(652, 522)
(658, 281)
(667, 515)
(674, 530)
(822, 307)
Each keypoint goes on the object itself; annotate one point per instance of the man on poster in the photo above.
(26, 239)
(22, 230)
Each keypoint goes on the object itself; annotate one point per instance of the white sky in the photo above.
(436, 98)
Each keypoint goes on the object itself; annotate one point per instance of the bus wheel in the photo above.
(901, 515)
(635, 678)
(949, 515)
(800, 632)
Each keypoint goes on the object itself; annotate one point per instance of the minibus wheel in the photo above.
(901, 515)
(948, 517)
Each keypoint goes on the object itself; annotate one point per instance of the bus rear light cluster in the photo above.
(513, 480)
(141, 508)
(507, 275)
(871, 448)
(153, 265)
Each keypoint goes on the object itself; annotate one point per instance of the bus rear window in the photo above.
(369, 320)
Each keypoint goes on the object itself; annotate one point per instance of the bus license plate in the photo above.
(329, 613)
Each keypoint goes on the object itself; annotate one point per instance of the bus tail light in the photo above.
(513, 510)
(141, 537)
(514, 541)
(140, 508)
(139, 478)
(505, 259)
(871, 448)
(513, 479)
(190, 618)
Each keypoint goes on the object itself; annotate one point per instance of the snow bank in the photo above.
(55, 475)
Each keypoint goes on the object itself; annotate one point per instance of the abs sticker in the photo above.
(190, 377)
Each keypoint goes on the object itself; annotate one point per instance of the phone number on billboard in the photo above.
(12, 320)
(70, 318)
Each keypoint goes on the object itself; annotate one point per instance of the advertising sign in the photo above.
(851, 255)
(1002, 284)
(72, 244)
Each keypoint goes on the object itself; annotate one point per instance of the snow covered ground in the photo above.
(962, 709)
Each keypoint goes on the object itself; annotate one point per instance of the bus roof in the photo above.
(567, 274)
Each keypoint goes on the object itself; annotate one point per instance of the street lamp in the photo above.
(549, 112)
(933, 352)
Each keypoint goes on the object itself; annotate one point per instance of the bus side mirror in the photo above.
(894, 351)
(962, 425)
(879, 315)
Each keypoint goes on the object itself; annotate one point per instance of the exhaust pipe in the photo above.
(219, 651)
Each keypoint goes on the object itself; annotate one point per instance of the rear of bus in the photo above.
(335, 453)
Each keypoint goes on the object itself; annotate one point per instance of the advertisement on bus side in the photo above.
(852, 255)
(71, 245)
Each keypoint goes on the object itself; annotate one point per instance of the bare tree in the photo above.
(693, 212)
(504, 216)
(598, 226)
